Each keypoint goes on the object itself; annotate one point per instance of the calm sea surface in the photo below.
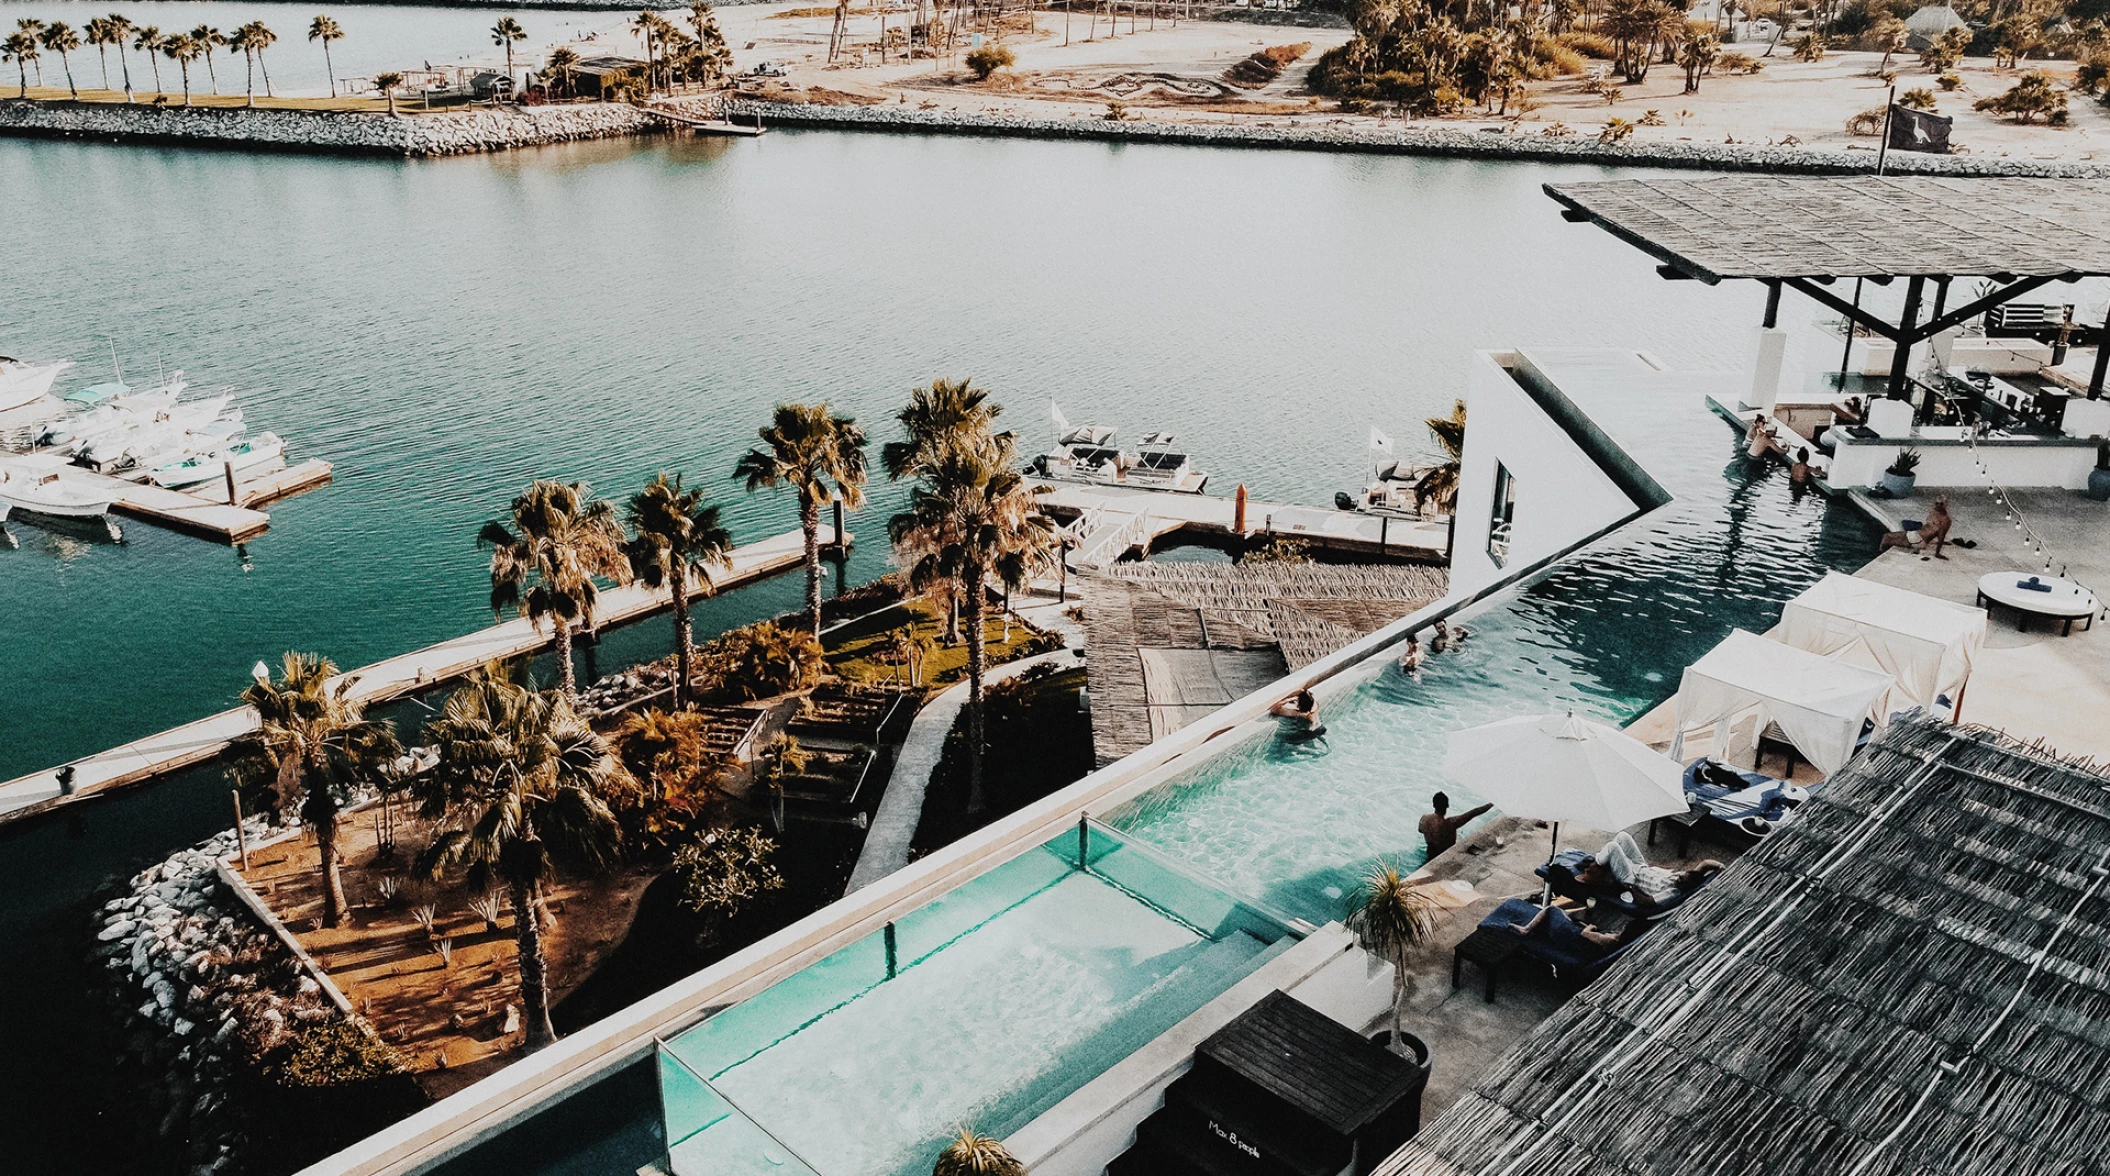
(445, 331)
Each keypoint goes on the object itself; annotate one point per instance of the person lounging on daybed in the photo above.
(1619, 877)
(1575, 951)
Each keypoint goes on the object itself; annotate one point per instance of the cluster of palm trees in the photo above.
(116, 31)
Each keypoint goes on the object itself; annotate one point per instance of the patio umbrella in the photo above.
(1563, 768)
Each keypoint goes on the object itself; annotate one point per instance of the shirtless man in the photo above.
(1935, 531)
(1439, 830)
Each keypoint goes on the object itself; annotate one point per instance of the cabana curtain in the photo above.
(1820, 704)
(1927, 645)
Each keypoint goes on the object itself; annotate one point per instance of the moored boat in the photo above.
(203, 467)
(21, 382)
(1087, 454)
(44, 491)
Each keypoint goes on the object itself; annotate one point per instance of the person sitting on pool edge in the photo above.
(1439, 830)
(1935, 530)
(1303, 712)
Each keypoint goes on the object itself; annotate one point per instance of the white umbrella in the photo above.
(1563, 768)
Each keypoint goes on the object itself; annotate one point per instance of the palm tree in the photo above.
(386, 82)
(675, 534)
(1439, 484)
(323, 29)
(60, 38)
(970, 512)
(119, 27)
(937, 416)
(260, 39)
(34, 28)
(645, 24)
(209, 39)
(20, 48)
(97, 31)
(972, 1154)
(148, 40)
(1390, 917)
(507, 33)
(562, 538)
(532, 775)
(244, 38)
(317, 743)
(820, 455)
(181, 50)
(560, 62)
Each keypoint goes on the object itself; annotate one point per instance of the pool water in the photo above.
(1004, 996)
(1605, 634)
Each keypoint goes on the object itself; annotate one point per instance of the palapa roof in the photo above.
(1861, 995)
(1779, 227)
(1171, 642)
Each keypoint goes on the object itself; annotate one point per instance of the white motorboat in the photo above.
(1395, 491)
(203, 467)
(32, 490)
(1086, 454)
(21, 382)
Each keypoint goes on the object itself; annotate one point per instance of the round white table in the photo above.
(2066, 603)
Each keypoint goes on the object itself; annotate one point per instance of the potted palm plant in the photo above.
(1390, 917)
(1902, 472)
(973, 1154)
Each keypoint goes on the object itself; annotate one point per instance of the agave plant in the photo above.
(446, 949)
(389, 886)
(486, 906)
(426, 916)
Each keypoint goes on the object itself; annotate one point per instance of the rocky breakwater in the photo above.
(1320, 133)
(226, 1043)
(454, 132)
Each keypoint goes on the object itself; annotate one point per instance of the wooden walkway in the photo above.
(193, 743)
(704, 126)
(173, 509)
(1150, 515)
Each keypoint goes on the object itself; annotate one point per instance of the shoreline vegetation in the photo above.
(363, 127)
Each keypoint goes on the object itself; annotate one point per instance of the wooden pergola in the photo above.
(1806, 233)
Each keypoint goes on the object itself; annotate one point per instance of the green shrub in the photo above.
(1595, 45)
(2031, 98)
(336, 1053)
(762, 661)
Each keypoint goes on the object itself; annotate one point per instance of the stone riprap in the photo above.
(1327, 135)
(199, 990)
(448, 133)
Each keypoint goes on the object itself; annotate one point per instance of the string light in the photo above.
(2013, 513)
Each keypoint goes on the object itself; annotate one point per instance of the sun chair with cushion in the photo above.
(1564, 875)
(1560, 946)
(1745, 810)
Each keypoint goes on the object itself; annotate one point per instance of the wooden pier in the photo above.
(196, 742)
(1119, 521)
(704, 126)
(191, 512)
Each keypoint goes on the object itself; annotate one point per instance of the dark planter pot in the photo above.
(1417, 1049)
(2099, 485)
(1899, 485)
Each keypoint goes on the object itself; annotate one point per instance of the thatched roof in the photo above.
(1855, 226)
(1170, 642)
(1861, 995)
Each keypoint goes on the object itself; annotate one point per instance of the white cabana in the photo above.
(1928, 645)
(1819, 703)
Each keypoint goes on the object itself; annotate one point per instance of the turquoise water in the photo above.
(1006, 995)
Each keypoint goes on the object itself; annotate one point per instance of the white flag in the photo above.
(1062, 423)
(1380, 442)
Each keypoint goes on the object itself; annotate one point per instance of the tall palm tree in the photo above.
(34, 28)
(561, 61)
(938, 415)
(97, 31)
(60, 38)
(1440, 483)
(531, 775)
(323, 29)
(244, 38)
(318, 744)
(508, 33)
(673, 535)
(646, 25)
(181, 50)
(822, 457)
(119, 27)
(1390, 917)
(260, 39)
(970, 512)
(209, 39)
(561, 538)
(148, 40)
(20, 48)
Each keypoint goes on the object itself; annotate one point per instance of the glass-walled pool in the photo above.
(983, 1008)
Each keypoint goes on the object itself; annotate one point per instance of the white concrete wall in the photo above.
(1872, 355)
(1951, 464)
(1081, 1134)
(1561, 494)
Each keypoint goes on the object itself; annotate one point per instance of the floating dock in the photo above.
(705, 126)
(1118, 521)
(196, 742)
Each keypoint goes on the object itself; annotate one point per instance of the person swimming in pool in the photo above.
(1302, 709)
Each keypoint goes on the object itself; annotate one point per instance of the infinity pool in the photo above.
(984, 1008)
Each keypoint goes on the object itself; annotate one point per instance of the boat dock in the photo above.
(196, 742)
(1115, 521)
(191, 511)
(704, 126)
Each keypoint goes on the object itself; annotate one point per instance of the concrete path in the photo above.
(901, 809)
(199, 741)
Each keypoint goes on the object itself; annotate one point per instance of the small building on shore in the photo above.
(1927, 25)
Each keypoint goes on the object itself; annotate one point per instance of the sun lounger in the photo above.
(1557, 946)
(1745, 813)
(1564, 872)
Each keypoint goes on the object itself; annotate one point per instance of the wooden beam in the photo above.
(1971, 310)
(1853, 313)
